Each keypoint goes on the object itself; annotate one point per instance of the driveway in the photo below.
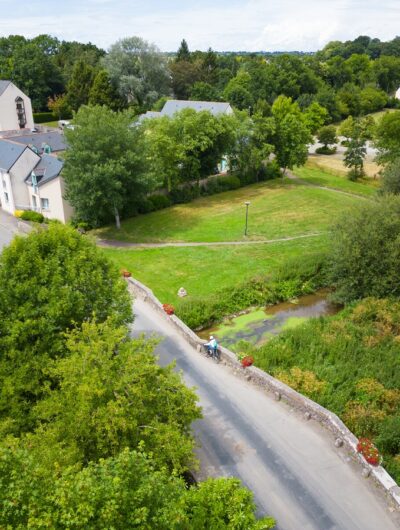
(8, 228)
(293, 467)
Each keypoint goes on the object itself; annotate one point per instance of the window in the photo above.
(44, 203)
(4, 184)
(6, 196)
(34, 201)
(19, 103)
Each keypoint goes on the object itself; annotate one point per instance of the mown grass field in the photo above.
(278, 209)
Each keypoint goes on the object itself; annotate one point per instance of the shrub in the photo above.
(184, 194)
(365, 257)
(323, 150)
(270, 171)
(145, 206)
(160, 201)
(43, 117)
(29, 215)
(389, 436)
(228, 182)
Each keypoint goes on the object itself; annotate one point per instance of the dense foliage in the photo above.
(52, 281)
(318, 358)
(93, 432)
(354, 77)
(104, 165)
(365, 255)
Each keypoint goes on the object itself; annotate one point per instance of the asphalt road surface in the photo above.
(296, 473)
(8, 228)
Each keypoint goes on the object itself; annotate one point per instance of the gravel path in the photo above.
(110, 243)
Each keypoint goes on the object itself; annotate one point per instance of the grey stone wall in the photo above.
(310, 410)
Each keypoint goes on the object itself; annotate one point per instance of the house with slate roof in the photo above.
(172, 106)
(30, 178)
(15, 108)
(46, 189)
(16, 163)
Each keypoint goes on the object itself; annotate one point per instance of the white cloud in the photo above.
(246, 25)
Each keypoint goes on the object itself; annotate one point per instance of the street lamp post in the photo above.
(247, 203)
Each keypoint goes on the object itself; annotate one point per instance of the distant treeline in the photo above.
(346, 78)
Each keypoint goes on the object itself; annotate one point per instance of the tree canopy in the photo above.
(104, 175)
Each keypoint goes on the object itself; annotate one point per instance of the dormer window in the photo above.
(19, 103)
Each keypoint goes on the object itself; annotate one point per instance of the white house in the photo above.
(15, 108)
(16, 163)
(46, 189)
(397, 95)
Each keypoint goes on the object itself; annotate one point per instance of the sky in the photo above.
(250, 25)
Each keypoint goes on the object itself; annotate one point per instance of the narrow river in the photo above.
(259, 325)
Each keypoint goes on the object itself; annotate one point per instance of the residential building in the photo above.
(397, 95)
(46, 142)
(46, 189)
(16, 163)
(15, 108)
(172, 106)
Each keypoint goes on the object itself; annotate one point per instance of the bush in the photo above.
(29, 215)
(365, 258)
(184, 194)
(325, 150)
(145, 206)
(160, 201)
(228, 182)
(391, 178)
(270, 171)
(43, 117)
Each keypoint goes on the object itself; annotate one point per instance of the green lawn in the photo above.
(206, 270)
(366, 187)
(51, 124)
(278, 209)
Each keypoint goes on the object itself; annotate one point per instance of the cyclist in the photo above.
(212, 347)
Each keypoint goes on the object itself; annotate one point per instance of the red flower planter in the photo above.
(369, 451)
(169, 309)
(247, 361)
(125, 273)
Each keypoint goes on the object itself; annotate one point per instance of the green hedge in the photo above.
(43, 117)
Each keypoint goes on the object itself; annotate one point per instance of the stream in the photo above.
(259, 325)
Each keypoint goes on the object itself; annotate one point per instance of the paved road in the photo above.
(8, 228)
(292, 466)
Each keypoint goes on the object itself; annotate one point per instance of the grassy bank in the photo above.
(312, 174)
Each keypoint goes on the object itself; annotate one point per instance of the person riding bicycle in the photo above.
(212, 346)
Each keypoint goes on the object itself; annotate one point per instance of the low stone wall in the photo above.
(310, 410)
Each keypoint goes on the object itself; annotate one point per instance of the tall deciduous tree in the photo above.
(104, 165)
(388, 137)
(139, 71)
(103, 92)
(52, 281)
(291, 136)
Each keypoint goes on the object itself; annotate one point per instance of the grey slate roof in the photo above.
(9, 154)
(48, 168)
(3, 85)
(175, 105)
(55, 140)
